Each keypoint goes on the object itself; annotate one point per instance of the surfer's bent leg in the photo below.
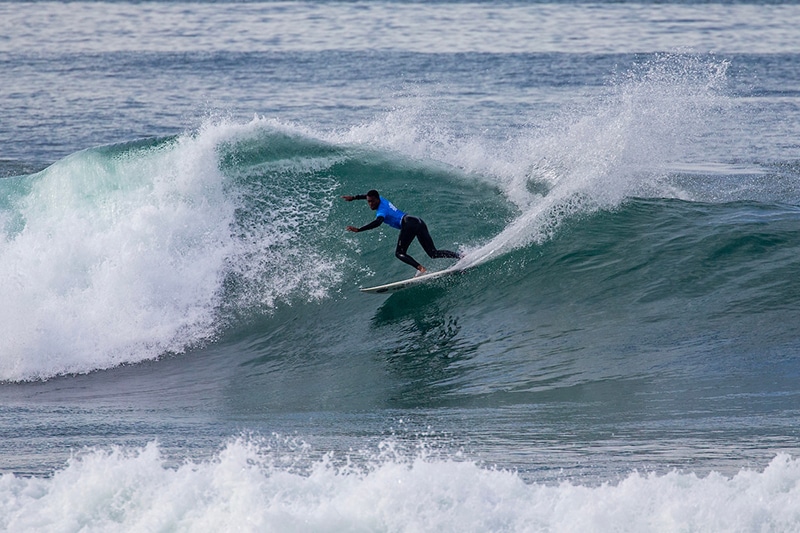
(407, 234)
(427, 244)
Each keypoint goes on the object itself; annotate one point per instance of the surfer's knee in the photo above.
(405, 258)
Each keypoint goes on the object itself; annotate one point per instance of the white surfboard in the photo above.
(399, 285)
(461, 266)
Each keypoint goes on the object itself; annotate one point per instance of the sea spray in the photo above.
(623, 145)
(283, 188)
(624, 142)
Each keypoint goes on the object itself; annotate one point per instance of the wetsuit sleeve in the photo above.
(372, 225)
(360, 197)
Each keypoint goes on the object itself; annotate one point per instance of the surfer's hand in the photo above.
(352, 228)
(349, 198)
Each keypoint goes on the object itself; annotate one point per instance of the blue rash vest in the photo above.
(391, 215)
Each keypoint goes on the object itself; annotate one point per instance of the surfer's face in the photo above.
(373, 202)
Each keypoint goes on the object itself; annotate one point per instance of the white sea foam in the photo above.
(114, 259)
(114, 254)
(249, 486)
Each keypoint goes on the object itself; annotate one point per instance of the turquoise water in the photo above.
(184, 345)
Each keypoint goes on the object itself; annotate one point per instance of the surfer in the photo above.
(409, 227)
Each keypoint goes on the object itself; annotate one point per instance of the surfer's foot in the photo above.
(420, 272)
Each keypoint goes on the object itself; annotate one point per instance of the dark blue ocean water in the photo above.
(183, 345)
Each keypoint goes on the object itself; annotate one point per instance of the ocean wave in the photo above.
(123, 253)
(256, 486)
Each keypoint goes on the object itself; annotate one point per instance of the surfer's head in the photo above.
(373, 199)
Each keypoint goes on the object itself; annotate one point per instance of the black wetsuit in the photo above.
(415, 227)
(410, 227)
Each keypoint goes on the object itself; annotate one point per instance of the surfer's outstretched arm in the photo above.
(373, 199)
(372, 225)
